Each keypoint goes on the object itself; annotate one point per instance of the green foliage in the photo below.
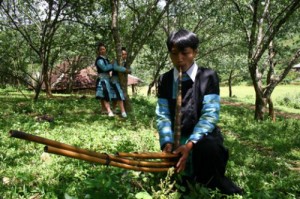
(291, 77)
(263, 154)
(166, 188)
(290, 100)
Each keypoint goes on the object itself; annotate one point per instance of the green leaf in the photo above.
(143, 195)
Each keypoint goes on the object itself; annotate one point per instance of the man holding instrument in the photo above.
(203, 157)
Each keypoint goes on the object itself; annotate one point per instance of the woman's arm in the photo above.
(104, 67)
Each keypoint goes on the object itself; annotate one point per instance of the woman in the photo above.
(119, 95)
(104, 68)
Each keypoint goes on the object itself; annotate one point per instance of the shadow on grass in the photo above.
(260, 152)
(67, 111)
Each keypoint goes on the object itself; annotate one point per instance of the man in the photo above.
(203, 157)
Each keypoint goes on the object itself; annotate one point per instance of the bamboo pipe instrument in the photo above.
(149, 155)
(177, 126)
(88, 158)
(104, 157)
(110, 160)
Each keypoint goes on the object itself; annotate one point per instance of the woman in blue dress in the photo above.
(104, 69)
(115, 82)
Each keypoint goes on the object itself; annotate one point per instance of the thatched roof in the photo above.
(82, 79)
(133, 80)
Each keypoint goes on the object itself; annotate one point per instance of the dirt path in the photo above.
(252, 107)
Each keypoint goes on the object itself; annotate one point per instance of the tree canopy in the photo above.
(258, 39)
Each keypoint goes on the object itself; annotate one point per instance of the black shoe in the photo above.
(227, 187)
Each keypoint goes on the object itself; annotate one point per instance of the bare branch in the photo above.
(244, 27)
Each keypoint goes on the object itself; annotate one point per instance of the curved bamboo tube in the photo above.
(102, 156)
(148, 155)
(85, 157)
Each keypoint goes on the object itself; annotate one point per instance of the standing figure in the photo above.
(103, 92)
(119, 94)
(203, 157)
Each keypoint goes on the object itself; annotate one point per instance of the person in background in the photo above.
(124, 59)
(103, 90)
(203, 157)
(115, 82)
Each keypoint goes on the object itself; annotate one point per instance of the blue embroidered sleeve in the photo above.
(103, 66)
(209, 117)
(164, 122)
(118, 68)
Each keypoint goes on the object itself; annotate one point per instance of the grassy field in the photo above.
(246, 94)
(264, 156)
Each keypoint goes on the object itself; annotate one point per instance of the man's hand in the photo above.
(128, 71)
(168, 148)
(184, 150)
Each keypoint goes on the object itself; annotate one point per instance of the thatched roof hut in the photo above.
(63, 79)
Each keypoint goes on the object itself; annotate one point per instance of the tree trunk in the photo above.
(150, 87)
(260, 105)
(37, 90)
(116, 36)
(271, 109)
(47, 85)
(230, 83)
(46, 80)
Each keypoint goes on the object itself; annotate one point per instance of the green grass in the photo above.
(246, 94)
(264, 156)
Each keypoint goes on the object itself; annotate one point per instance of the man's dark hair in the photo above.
(182, 39)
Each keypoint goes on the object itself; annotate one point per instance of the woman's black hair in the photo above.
(100, 44)
(182, 39)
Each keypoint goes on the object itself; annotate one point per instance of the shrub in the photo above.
(290, 100)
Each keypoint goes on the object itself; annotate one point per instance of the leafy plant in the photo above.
(290, 100)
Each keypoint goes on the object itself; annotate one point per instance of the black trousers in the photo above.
(209, 159)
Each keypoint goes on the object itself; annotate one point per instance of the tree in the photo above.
(262, 23)
(37, 22)
(144, 18)
(206, 19)
(16, 18)
(72, 46)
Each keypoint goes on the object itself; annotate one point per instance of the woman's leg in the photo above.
(121, 105)
(103, 108)
(107, 107)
